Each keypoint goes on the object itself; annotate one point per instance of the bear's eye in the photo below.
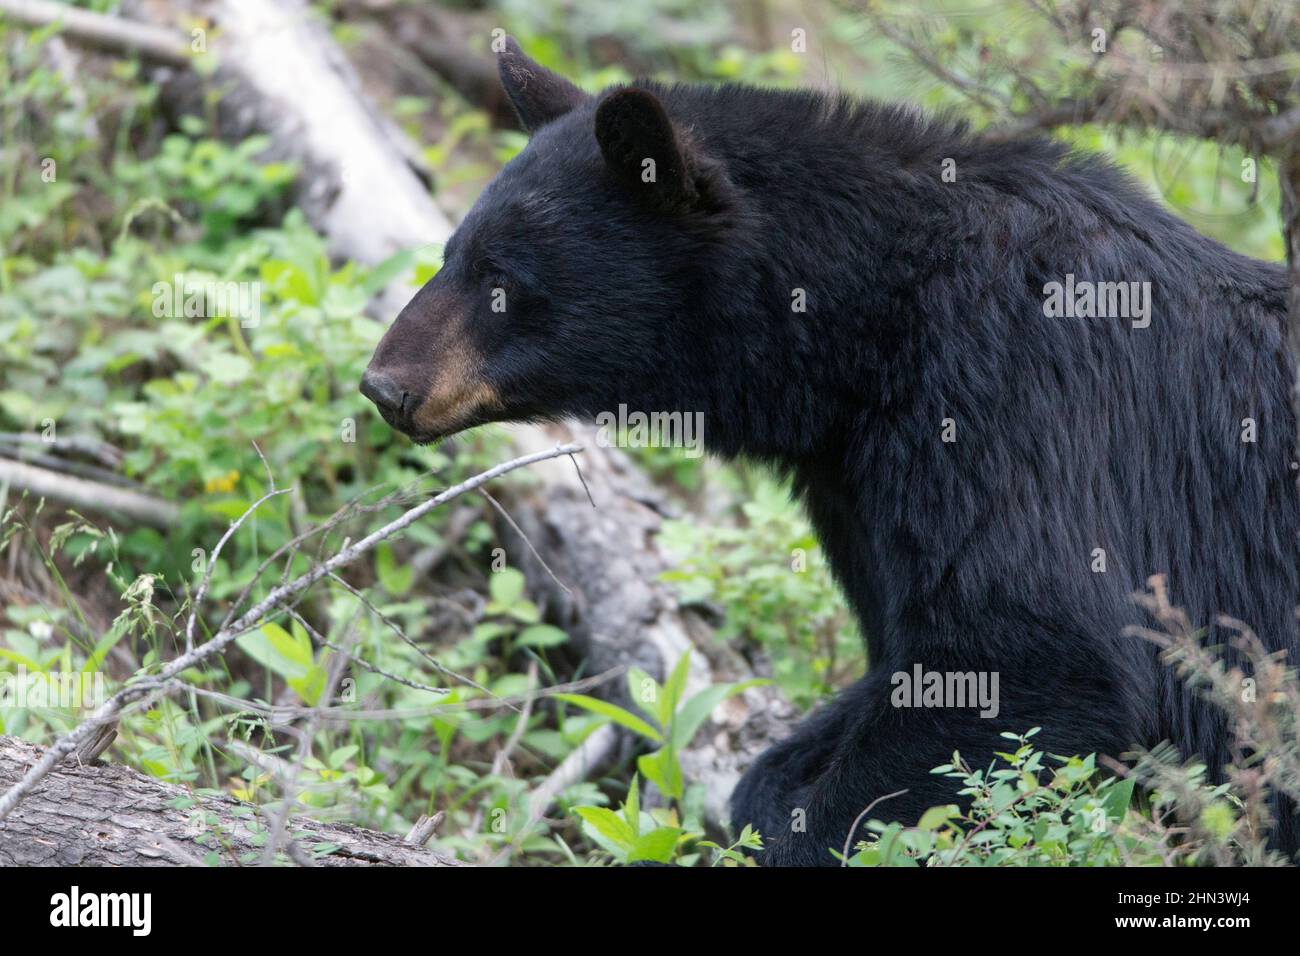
(490, 274)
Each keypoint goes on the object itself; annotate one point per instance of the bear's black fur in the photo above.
(924, 320)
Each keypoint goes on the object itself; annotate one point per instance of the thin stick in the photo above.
(583, 480)
(364, 664)
(848, 840)
(520, 531)
(212, 563)
(270, 475)
(410, 642)
(283, 713)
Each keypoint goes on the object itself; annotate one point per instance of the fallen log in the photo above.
(106, 815)
(108, 34)
(86, 495)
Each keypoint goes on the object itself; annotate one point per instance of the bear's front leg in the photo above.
(777, 782)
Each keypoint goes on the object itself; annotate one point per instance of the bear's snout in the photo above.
(431, 401)
(428, 376)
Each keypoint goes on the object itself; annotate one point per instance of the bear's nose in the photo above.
(384, 392)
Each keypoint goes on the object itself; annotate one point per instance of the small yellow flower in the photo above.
(223, 483)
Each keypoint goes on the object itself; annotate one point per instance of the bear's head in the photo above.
(571, 283)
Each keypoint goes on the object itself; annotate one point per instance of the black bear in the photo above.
(1007, 386)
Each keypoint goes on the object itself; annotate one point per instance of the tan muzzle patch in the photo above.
(457, 396)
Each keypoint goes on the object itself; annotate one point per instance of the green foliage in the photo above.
(1021, 813)
(1031, 809)
(670, 721)
(632, 836)
(769, 576)
(290, 655)
(1009, 49)
(673, 720)
(186, 392)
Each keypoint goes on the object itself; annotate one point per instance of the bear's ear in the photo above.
(644, 149)
(537, 94)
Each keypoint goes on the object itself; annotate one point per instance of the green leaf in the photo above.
(936, 817)
(632, 808)
(674, 687)
(310, 687)
(387, 271)
(645, 692)
(657, 845)
(615, 713)
(541, 635)
(697, 709)
(663, 770)
(490, 631)
(1118, 798)
(105, 644)
(506, 586)
(525, 611)
(608, 829)
(225, 368)
(396, 579)
(341, 756)
(278, 651)
(22, 660)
